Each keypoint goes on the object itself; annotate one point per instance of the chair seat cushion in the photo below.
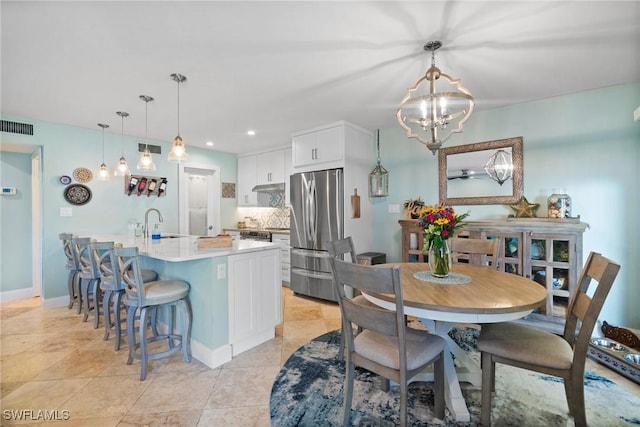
(148, 275)
(512, 341)
(160, 292)
(421, 348)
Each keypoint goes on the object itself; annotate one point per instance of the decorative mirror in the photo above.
(463, 178)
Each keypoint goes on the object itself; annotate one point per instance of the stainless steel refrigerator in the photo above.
(317, 217)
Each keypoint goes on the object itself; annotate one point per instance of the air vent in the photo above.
(153, 149)
(15, 127)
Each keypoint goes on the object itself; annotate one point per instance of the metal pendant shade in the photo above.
(146, 161)
(436, 107)
(123, 168)
(379, 176)
(178, 151)
(103, 172)
(500, 166)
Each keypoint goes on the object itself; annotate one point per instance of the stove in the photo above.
(259, 235)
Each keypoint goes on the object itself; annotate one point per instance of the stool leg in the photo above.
(142, 326)
(77, 289)
(97, 292)
(84, 287)
(186, 330)
(131, 335)
(117, 306)
(72, 295)
(107, 301)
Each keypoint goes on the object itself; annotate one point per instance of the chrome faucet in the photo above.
(146, 221)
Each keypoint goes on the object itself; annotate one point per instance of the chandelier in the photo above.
(499, 167)
(178, 151)
(435, 107)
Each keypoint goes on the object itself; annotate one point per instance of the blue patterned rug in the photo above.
(308, 392)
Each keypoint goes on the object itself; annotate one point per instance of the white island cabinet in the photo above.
(235, 292)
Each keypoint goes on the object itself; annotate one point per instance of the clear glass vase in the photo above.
(439, 259)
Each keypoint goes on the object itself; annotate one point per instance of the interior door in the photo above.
(199, 200)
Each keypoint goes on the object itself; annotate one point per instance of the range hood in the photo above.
(276, 187)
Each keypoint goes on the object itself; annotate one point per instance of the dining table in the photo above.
(470, 294)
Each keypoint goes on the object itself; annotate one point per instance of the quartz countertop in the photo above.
(177, 247)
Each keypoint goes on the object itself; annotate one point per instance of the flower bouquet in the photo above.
(439, 223)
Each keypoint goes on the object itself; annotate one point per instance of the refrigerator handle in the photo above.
(339, 211)
(313, 211)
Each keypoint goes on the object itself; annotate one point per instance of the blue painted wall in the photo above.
(586, 143)
(15, 217)
(65, 148)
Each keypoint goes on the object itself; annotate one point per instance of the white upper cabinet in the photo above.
(271, 167)
(320, 149)
(247, 169)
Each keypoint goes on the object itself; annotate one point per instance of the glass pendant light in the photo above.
(500, 166)
(379, 177)
(178, 152)
(123, 168)
(103, 173)
(146, 161)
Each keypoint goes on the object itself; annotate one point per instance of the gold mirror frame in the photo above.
(517, 185)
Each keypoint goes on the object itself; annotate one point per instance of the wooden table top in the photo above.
(490, 292)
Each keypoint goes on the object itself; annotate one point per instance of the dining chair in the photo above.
(339, 249)
(561, 356)
(73, 280)
(475, 251)
(146, 299)
(386, 346)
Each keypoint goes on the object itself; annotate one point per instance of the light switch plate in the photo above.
(222, 271)
(67, 211)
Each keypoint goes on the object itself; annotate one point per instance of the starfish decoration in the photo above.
(524, 209)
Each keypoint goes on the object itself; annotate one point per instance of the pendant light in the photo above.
(436, 107)
(123, 168)
(103, 173)
(178, 152)
(146, 161)
(500, 166)
(379, 177)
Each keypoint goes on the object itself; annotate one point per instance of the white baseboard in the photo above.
(7, 296)
(253, 341)
(211, 357)
(56, 302)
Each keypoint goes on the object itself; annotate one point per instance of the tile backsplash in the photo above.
(267, 217)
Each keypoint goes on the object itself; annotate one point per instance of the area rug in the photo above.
(308, 392)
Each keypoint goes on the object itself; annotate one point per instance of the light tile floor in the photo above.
(51, 361)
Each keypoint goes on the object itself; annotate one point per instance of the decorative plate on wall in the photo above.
(82, 175)
(77, 194)
(66, 180)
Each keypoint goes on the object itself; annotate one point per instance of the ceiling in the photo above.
(282, 67)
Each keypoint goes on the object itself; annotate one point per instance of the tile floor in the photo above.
(52, 361)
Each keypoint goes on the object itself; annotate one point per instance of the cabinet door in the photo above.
(270, 167)
(322, 146)
(247, 180)
(243, 296)
(283, 241)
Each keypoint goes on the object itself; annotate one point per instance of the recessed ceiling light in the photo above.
(209, 143)
(251, 132)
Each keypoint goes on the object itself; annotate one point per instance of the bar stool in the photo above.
(89, 281)
(147, 299)
(73, 281)
(113, 290)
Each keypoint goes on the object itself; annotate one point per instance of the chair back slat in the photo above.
(67, 247)
(583, 310)
(367, 279)
(101, 253)
(342, 247)
(131, 277)
(475, 251)
(88, 267)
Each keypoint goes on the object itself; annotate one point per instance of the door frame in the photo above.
(36, 221)
(182, 194)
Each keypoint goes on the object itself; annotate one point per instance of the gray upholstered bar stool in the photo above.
(147, 299)
(73, 265)
(113, 290)
(89, 281)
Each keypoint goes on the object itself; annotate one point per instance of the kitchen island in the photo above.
(236, 292)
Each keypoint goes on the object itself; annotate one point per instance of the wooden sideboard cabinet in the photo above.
(548, 251)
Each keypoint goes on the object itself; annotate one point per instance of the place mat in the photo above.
(451, 279)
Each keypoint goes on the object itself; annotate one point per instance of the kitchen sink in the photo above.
(171, 237)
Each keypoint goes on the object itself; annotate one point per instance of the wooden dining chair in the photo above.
(475, 251)
(561, 356)
(386, 346)
(339, 249)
